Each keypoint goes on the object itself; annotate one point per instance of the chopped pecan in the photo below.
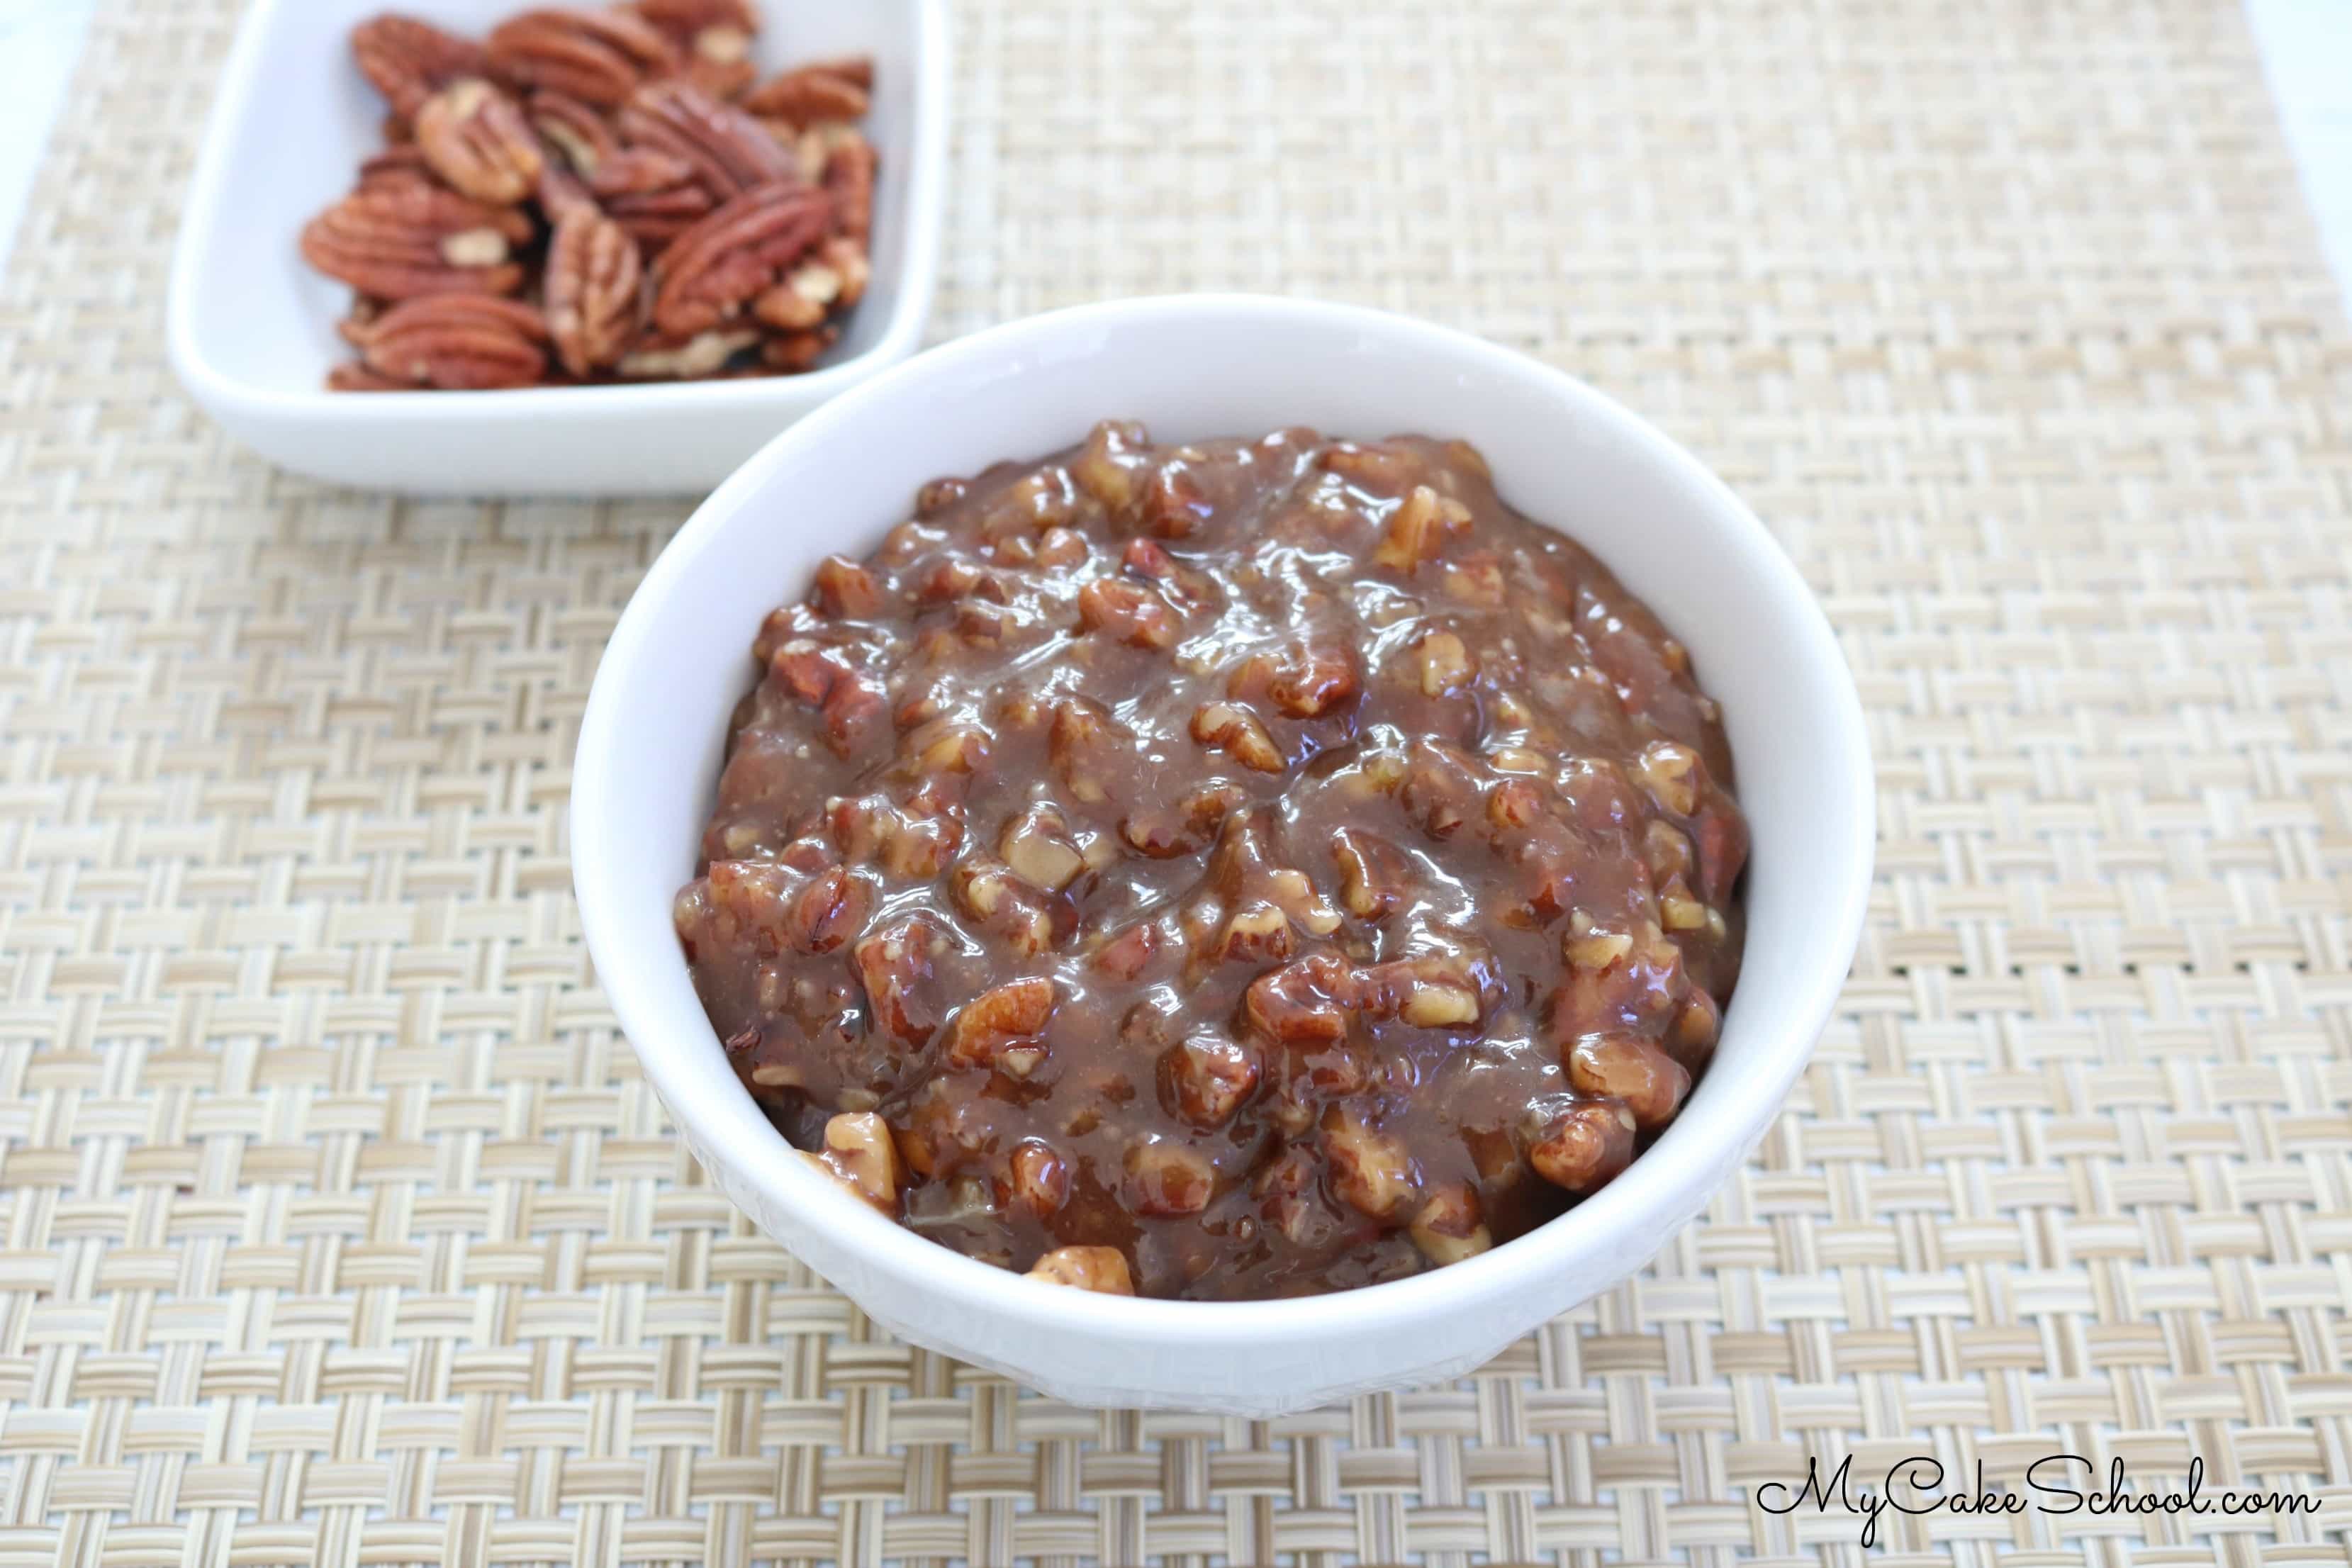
(1129, 953)
(1374, 874)
(1585, 1145)
(1229, 728)
(1631, 1071)
(1001, 905)
(596, 56)
(1101, 1270)
(1037, 845)
(409, 60)
(710, 272)
(398, 241)
(1206, 1078)
(860, 1154)
(1451, 1225)
(1129, 614)
(826, 912)
(1301, 1004)
(729, 151)
(1440, 663)
(998, 1024)
(1312, 682)
(895, 965)
(459, 342)
(593, 277)
(1417, 530)
(820, 91)
(1038, 1179)
(1165, 1177)
(476, 137)
(1372, 1171)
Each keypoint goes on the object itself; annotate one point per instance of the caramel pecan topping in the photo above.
(1272, 864)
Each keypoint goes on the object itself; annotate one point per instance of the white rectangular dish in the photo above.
(251, 327)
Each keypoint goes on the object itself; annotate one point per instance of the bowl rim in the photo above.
(207, 205)
(720, 1116)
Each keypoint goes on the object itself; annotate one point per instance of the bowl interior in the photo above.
(296, 136)
(1193, 368)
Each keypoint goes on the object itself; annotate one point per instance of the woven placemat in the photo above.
(337, 1226)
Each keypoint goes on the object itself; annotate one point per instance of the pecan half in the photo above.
(578, 131)
(713, 270)
(715, 37)
(661, 358)
(722, 79)
(822, 89)
(409, 60)
(397, 241)
(560, 192)
(791, 353)
(402, 166)
(729, 151)
(691, 19)
(459, 342)
(596, 56)
(651, 195)
(353, 377)
(474, 137)
(592, 273)
(849, 178)
(803, 300)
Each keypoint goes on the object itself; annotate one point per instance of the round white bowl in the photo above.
(1191, 367)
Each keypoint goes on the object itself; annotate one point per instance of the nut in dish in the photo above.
(598, 194)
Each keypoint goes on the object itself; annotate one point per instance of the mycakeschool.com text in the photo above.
(2055, 1484)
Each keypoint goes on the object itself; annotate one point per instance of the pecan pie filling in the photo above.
(1220, 871)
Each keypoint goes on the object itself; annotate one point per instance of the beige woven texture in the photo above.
(338, 1225)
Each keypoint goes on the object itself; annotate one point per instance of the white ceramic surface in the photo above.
(1193, 367)
(251, 326)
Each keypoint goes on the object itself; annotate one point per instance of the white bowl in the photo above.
(251, 326)
(1191, 367)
